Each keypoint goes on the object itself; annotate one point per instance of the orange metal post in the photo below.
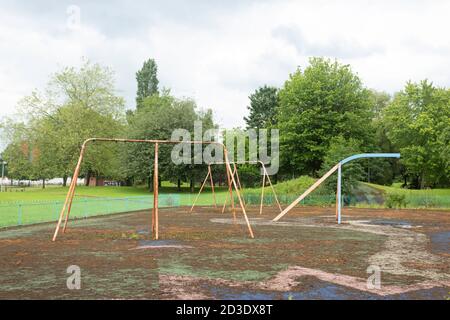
(230, 195)
(75, 178)
(239, 182)
(200, 191)
(70, 193)
(273, 189)
(155, 224)
(238, 195)
(230, 188)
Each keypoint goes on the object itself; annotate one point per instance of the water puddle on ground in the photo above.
(320, 290)
(440, 242)
(155, 244)
(392, 223)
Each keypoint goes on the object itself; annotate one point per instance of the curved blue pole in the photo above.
(370, 155)
(354, 157)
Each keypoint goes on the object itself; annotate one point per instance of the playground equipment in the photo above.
(337, 167)
(155, 220)
(235, 173)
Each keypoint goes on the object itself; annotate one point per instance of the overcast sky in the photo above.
(218, 52)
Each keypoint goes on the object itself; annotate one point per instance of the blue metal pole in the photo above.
(339, 186)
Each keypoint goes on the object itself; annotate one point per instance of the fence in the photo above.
(376, 201)
(31, 212)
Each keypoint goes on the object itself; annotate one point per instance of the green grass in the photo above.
(396, 188)
(290, 187)
(425, 198)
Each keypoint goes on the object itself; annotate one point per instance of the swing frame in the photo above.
(155, 217)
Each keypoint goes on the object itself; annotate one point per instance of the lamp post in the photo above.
(3, 173)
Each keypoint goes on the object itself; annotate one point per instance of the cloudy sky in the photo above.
(218, 52)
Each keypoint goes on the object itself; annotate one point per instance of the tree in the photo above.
(76, 104)
(147, 81)
(19, 165)
(263, 108)
(352, 172)
(324, 101)
(379, 101)
(417, 123)
(157, 117)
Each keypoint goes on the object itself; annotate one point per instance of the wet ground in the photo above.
(208, 255)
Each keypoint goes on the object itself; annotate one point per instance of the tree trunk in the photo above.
(191, 185)
(64, 180)
(88, 178)
(422, 181)
(179, 184)
(43, 183)
(150, 183)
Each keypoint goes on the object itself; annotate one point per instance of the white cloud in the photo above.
(220, 53)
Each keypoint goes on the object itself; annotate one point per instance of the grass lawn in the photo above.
(396, 188)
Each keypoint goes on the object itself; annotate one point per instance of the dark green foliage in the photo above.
(417, 123)
(157, 117)
(324, 101)
(147, 81)
(263, 108)
(352, 172)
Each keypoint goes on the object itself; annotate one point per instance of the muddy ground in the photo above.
(208, 255)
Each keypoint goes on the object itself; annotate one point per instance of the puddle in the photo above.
(154, 244)
(322, 290)
(440, 242)
(392, 223)
(327, 291)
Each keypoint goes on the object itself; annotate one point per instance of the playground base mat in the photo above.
(209, 255)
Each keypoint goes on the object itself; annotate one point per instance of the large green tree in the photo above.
(77, 103)
(157, 118)
(341, 148)
(147, 81)
(324, 101)
(417, 122)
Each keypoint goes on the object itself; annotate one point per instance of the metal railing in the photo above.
(16, 213)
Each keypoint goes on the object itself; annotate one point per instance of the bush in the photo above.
(394, 200)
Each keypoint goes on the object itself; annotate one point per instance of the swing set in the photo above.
(65, 211)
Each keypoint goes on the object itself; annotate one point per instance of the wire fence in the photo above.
(31, 212)
(16, 213)
(376, 201)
